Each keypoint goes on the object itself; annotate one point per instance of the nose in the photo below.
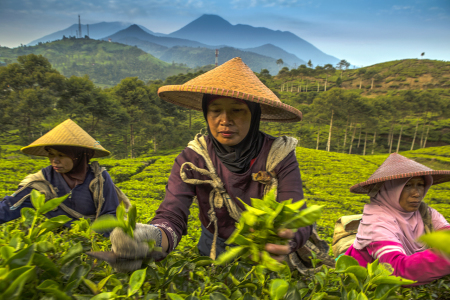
(224, 118)
(415, 191)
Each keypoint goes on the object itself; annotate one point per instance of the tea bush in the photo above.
(52, 264)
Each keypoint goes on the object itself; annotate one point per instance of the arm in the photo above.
(423, 267)
(290, 187)
(172, 215)
(6, 214)
(438, 220)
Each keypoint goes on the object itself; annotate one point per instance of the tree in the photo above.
(343, 64)
(280, 61)
(28, 93)
(310, 64)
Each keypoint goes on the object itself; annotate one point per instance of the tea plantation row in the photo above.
(62, 271)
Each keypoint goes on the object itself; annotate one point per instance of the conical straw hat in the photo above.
(397, 166)
(65, 134)
(232, 79)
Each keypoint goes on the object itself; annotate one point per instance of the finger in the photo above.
(286, 234)
(278, 249)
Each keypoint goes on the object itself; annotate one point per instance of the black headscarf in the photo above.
(237, 158)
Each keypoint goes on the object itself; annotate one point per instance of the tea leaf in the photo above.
(438, 240)
(51, 204)
(136, 281)
(278, 288)
(37, 199)
(231, 254)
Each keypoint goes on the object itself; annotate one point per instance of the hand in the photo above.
(134, 250)
(279, 252)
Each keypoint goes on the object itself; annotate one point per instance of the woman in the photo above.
(223, 166)
(396, 217)
(69, 149)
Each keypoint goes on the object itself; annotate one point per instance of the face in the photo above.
(229, 120)
(61, 163)
(412, 194)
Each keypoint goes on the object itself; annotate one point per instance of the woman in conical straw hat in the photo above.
(396, 216)
(233, 101)
(69, 149)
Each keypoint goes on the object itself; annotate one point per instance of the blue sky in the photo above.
(361, 31)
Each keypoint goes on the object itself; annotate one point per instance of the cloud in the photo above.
(130, 8)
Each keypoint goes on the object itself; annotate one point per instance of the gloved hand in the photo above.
(132, 252)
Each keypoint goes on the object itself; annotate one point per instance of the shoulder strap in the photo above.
(426, 217)
(279, 150)
(96, 188)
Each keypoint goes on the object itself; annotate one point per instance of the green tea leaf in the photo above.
(106, 223)
(173, 296)
(217, 296)
(28, 215)
(384, 290)
(6, 252)
(438, 240)
(21, 258)
(136, 281)
(344, 262)
(37, 199)
(253, 210)
(231, 254)
(271, 263)
(392, 280)
(297, 205)
(278, 288)
(51, 204)
(105, 296)
(91, 285)
(132, 217)
(71, 254)
(44, 263)
(20, 277)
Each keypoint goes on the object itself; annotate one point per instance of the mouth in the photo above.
(227, 133)
(414, 203)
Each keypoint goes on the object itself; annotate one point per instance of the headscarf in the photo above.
(237, 158)
(80, 157)
(385, 220)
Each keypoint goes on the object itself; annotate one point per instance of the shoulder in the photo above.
(48, 172)
(438, 220)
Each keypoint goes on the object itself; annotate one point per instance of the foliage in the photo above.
(126, 220)
(107, 63)
(60, 269)
(260, 224)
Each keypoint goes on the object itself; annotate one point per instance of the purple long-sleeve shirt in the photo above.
(172, 215)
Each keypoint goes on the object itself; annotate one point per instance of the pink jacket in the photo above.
(422, 267)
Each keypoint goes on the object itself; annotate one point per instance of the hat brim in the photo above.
(39, 150)
(439, 176)
(191, 97)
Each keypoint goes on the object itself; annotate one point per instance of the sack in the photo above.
(344, 234)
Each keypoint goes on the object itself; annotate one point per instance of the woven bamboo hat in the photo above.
(394, 167)
(65, 134)
(232, 79)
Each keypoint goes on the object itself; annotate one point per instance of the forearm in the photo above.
(422, 267)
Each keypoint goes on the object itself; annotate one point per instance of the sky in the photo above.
(361, 31)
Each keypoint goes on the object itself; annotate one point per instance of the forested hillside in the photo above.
(105, 63)
(131, 120)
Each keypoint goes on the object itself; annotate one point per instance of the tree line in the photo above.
(131, 120)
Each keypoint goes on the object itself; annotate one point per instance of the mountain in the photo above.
(154, 49)
(104, 62)
(194, 57)
(96, 31)
(276, 52)
(137, 32)
(214, 30)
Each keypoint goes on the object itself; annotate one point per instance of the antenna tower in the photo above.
(217, 57)
(79, 27)
(88, 30)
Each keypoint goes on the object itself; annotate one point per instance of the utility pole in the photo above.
(79, 27)
(217, 57)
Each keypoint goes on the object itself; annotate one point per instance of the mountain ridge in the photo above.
(216, 30)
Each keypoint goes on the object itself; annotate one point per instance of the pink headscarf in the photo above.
(385, 220)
